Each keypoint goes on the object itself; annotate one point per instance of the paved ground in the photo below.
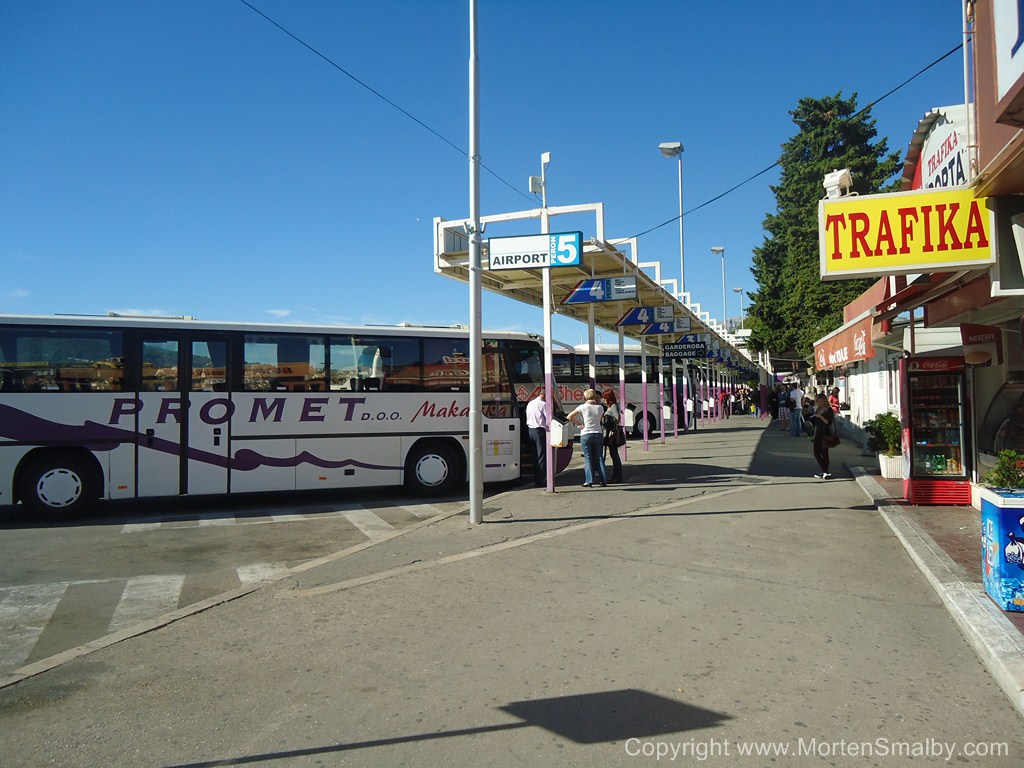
(720, 600)
(62, 585)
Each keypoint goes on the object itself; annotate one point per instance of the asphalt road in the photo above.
(720, 601)
(62, 585)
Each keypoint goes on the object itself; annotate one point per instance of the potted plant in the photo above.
(1002, 531)
(885, 435)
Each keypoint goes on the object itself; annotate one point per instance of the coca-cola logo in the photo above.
(936, 363)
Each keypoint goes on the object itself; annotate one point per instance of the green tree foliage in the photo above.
(792, 307)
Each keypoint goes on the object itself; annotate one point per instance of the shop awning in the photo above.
(847, 344)
(919, 292)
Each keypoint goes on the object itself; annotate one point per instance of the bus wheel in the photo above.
(60, 485)
(638, 426)
(432, 469)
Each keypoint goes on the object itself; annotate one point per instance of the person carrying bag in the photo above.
(614, 437)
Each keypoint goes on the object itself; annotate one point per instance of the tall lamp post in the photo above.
(675, 149)
(719, 250)
(740, 292)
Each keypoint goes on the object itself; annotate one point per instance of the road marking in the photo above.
(145, 597)
(422, 510)
(501, 546)
(24, 612)
(368, 523)
(250, 574)
(139, 527)
(217, 518)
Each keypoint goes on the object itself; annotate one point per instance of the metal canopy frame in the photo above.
(600, 259)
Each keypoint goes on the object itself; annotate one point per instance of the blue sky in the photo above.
(189, 158)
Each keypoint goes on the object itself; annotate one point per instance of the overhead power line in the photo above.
(379, 95)
(749, 179)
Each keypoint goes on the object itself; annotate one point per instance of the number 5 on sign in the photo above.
(565, 248)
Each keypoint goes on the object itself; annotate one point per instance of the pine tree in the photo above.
(792, 308)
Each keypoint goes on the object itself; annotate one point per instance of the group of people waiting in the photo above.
(811, 413)
(600, 421)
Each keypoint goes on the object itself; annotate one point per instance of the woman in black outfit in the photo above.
(822, 418)
(613, 436)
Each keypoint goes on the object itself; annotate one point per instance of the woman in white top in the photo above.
(588, 417)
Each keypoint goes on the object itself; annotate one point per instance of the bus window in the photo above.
(606, 368)
(526, 363)
(159, 366)
(61, 360)
(446, 365)
(375, 364)
(496, 398)
(284, 363)
(209, 366)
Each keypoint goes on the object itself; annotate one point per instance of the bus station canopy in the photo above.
(600, 259)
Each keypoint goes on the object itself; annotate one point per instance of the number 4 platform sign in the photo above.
(602, 289)
(558, 249)
(647, 315)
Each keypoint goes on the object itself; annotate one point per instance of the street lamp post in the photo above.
(740, 292)
(675, 149)
(719, 250)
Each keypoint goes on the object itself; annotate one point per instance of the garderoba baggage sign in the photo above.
(903, 233)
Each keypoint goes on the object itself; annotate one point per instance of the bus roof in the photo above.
(188, 323)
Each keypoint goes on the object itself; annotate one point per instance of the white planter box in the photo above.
(892, 466)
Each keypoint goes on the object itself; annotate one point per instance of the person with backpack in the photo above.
(824, 420)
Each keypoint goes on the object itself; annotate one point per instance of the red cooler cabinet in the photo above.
(935, 433)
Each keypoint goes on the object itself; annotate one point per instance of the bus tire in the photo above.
(59, 486)
(638, 425)
(432, 469)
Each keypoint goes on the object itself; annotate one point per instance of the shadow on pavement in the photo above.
(778, 454)
(590, 718)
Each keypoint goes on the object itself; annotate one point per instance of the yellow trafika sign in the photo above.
(904, 232)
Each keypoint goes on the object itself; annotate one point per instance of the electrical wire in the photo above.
(381, 96)
(864, 109)
(534, 198)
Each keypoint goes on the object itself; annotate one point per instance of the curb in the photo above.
(994, 639)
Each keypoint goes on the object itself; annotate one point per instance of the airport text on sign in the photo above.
(558, 249)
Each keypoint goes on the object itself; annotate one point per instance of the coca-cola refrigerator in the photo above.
(935, 432)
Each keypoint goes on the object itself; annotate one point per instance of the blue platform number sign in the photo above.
(564, 249)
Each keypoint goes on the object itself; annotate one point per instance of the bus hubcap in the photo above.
(431, 470)
(59, 488)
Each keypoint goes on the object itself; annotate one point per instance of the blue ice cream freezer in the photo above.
(1002, 536)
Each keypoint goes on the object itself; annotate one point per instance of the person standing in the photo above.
(822, 418)
(833, 400)
(588, 417)
(796, 415)
(613, 436)
(537, 423)
(782, 395)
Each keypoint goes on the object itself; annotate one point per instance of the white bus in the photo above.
(571, 371)
(117, 408)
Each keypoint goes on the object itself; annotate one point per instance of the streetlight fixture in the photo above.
(675, 149)
(740, 292)
(719, 250)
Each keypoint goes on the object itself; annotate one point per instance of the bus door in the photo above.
(160, 418)
(209, 414)
(503, 430)
(185, 413)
